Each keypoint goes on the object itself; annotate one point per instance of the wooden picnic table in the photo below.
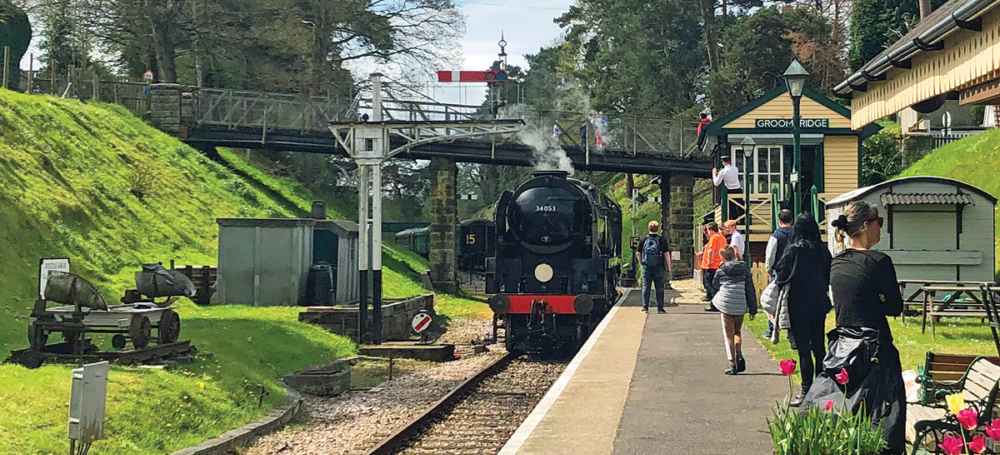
(916, 298)
(935, 310)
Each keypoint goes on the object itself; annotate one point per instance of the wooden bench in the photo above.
(979, 384)
(944, 369)
(949, 307)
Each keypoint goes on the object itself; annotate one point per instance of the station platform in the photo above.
(653, 384)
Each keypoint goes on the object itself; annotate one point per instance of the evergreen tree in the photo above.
(876, 24)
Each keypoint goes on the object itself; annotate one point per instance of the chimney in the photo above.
(925, 8)
(319, 210)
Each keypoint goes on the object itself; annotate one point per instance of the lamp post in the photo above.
(747, 143)
(795, 80)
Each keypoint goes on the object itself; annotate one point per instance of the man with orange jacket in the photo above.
(711, 260)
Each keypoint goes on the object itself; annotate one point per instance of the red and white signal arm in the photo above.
(472, 76)
(148, 76)
(421, 322)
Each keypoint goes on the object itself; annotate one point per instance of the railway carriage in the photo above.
(554, 274)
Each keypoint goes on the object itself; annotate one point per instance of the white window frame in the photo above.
(757, 174)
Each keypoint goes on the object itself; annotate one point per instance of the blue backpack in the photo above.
(651, 254)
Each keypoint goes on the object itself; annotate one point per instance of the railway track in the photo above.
(480, 414)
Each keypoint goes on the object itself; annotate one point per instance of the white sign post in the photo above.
(45, 269)
(86, 405)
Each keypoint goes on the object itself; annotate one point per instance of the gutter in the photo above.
(930, 39)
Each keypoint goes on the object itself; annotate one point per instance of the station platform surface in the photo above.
(653, 384)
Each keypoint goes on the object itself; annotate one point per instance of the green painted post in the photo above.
(814, 199)
(775, 208)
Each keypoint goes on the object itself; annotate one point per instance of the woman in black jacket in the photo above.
(865, 291)
(805, 269)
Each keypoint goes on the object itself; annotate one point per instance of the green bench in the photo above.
(928, 422)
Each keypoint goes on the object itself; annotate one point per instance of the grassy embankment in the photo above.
(71, 177)
(967, 160)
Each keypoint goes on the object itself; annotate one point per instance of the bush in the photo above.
(140, 179)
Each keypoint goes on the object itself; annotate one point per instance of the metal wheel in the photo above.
(31, 359)
(140, 331)
(169, 329)
(37, 337)
(118, 341)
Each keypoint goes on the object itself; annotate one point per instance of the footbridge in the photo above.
(207, 118)
(379, 124)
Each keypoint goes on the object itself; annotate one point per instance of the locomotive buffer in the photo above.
(368, 144)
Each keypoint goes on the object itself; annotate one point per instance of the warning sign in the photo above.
(421, 322)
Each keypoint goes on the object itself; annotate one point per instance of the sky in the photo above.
(526, 25)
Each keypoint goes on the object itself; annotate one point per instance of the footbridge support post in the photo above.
(665, 224)
(681, 234)
(165, 108)
(444, 225)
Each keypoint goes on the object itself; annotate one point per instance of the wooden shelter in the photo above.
(953, 53)
(830, 156)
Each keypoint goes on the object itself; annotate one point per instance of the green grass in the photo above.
(969, 160)
(65, 169)
(954, 336)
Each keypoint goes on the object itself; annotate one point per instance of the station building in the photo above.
(830, 153)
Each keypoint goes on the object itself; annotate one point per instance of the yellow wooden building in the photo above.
(953, 53)
(830, 156)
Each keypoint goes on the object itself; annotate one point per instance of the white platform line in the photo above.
(528, 426)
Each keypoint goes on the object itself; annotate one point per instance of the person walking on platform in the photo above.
(654, 255)
(710, 261)
(865, 292)
(730, 177)
(735, 238)
(805, 270)
(775, 249)
(736, 298)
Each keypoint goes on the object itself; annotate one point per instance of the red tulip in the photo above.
(829, 405)
(787, 367)
(968, 418)
(978, 444)
(951, 445)
(842, 377)
(993, 430)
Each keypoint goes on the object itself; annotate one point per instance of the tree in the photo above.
(880, 158)
(876, 24)
(15, 32)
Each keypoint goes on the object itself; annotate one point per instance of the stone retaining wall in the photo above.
(396, 317)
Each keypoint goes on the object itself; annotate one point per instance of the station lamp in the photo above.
(795, 80)
(748, 148)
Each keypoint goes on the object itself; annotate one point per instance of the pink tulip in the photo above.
(978, 444)
(787, 367)
(829, 405)
(968, 418)
(951, 445)
(993, 430)
(842, 377)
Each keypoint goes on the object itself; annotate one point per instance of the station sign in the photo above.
(787, 123)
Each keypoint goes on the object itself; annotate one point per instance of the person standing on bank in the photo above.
(711, 261)
(865, 292)
(730, 177)
(805, 269)
(654, 255)
(775, 250)
(736, 298)
(735, 238)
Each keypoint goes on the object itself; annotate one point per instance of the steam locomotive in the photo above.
(474, 243)
(554, 275)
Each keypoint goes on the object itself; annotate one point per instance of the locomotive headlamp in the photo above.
(500, 304)
(543, 273)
